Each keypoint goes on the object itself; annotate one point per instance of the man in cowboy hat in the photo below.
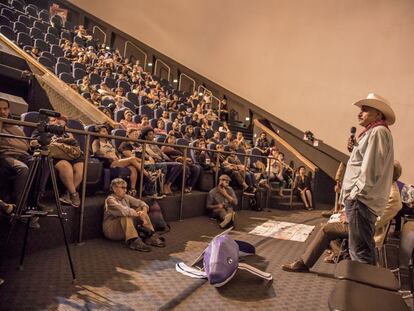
(368, 176)
(220, 202)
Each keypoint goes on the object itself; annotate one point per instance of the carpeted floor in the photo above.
(112, 277)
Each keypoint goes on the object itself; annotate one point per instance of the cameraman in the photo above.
(220, 202)
(14, 153)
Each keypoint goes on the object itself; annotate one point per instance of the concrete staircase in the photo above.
(284, 199)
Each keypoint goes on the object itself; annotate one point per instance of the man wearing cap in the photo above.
(368, 176)
(220, 202)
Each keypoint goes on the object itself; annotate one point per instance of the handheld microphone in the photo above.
(353, 131)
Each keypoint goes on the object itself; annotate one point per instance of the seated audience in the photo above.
(160, 128)
(102, 147)
(241, 142)
(337, 228)
(234, 163)
(210, 115)
(84, 86)
(276, 170)
(123, 214)
(127, 122)
(175, 131)
(176, 154)
(14, 154)
(221, 202)
(216, 138)
(189, 133)
(119, 104)
(229, 169)
(224, 127)
(228, 139)
(263, 144)
(224, 111)
(203, 157)
(302, 188)
(70, 171)
(130, 149)
(158, 159)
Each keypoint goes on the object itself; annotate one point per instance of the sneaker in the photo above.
(65, 198)
(296, 266)
(157, 196)
(138, 245)
(154, 240)
(75, 200)
(34, 223)
(226, 221)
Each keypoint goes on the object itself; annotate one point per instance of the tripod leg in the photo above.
(22, 204)
(59, 212)
(26, 235)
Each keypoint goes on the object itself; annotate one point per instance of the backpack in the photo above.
(157, 218)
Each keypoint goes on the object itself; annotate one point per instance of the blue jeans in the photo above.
(361, 224)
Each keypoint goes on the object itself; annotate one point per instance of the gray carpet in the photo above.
(112, 277)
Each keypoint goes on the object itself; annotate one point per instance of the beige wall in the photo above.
(304, 61)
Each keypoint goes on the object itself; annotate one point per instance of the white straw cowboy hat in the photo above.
(380, 103)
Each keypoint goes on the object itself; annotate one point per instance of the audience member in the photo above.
(160, 128)
(14, 153)
(224, 127)
(70, 171)
(127, 122)
(263, 144)
(337, 228)
(302, 188)
(102, 147)
(122, 215)
(221, 202)
(176, 154)
(159, 160)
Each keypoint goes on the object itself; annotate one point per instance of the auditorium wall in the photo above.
(304, 61)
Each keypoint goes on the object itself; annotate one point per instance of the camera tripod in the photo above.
(26, 209)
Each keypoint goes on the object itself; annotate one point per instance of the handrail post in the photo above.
(244, 179)
(217, 154)
(101, 30)
(141, 175)
(84, 181)
(156, 64)
(183, 183)
(269, 189)
(180, 78)
(139, 49)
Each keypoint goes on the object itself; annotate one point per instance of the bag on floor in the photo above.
(221, 261)
(157, 218)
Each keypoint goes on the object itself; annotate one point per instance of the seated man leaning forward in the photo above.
(123, 213)
(220, 202)
(337, 228)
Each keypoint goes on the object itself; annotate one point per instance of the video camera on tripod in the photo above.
(27, 208)
(44, 128)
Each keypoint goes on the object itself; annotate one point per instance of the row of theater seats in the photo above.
(99, 176)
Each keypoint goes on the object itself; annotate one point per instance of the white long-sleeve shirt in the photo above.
(368, 175)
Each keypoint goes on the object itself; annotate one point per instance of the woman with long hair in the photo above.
(302, 188)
